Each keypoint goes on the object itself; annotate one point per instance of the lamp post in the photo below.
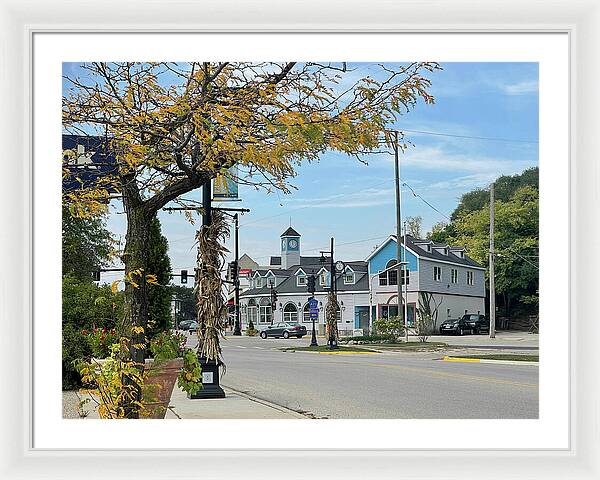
(338, 266)
(312, 308)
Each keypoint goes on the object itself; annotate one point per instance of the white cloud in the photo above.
(521, 88)
(435, 158)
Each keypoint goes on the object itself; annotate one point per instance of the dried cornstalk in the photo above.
(212, 310)
(331, 316)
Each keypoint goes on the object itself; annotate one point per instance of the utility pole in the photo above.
(237, 328)
(399, 233)
(405, 286)
(492, 286)
(332, 340)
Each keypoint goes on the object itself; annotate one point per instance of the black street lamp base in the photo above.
(210, 381)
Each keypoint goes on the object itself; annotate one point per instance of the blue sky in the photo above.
(341, 197)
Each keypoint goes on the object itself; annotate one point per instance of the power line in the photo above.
(415, 194)
(472, 137)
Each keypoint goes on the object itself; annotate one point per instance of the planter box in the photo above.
(160, 381)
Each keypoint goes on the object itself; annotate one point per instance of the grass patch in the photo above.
(323, 348)
(413, 346)
(513, 357)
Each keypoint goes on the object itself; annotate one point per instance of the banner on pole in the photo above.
(225, 187)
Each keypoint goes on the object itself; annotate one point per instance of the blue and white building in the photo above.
(456, 281)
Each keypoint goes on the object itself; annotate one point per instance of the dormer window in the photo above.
(349, 278)
(301, 280)
(323, 278)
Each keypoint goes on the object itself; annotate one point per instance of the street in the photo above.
(382, 385)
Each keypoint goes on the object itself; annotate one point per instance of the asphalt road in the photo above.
(390, 385)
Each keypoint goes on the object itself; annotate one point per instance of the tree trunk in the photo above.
(135, 258)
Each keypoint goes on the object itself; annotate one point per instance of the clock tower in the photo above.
(290, 248)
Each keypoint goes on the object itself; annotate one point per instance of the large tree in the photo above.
(173, 127)
(159, 295)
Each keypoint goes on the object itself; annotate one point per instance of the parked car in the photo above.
(285, 330)
(456, 326)
(477, 322)
(188, 325)
(183, 324)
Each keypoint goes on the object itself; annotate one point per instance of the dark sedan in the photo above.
(477, 322)
(285, 330)
(456, 326)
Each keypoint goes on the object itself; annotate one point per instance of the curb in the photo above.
(330, 353)
(484, 360)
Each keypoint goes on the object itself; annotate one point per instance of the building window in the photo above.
(323, 279)
(469, 278)
(265, 312)
(392, 275)
(258, 282)
(290, 313)
(252, 311)
(454, 275)
(301, 280)
(405, 277)
(437, 274)
(348, 279)
(388, 311)
(306, 314)
(271, 282)
(383, 279)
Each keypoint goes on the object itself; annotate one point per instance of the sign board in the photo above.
(225, 187)
(207, 377)
(87, 160)
(313, 303)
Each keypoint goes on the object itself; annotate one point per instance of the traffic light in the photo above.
(184, 276)
(311, 284)
(273, 300)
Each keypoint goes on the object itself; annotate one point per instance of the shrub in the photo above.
(75, 347)
(391, 326)
(100, 341)
(370, 338)
(167, 346)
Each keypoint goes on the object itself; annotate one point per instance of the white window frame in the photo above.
(323, 278)
(470, 278)
(286, 315)
(437, 273)
(306, 314)
(351, 276)
(265, 313)
(454, 275)
(301, 280)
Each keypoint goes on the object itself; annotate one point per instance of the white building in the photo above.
(286, 278)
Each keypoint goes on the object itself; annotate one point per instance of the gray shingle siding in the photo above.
(428, 284)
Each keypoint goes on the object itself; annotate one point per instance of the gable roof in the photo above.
(290, 232)
(411, 245)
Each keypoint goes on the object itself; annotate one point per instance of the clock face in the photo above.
(293, 243)
(339, 266)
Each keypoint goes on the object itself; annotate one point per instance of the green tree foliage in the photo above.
(504, 188)
(516, 237)
(86, 245)
(159, 294)
(85, 305)
(413, 226)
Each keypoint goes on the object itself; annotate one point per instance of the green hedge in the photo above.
(75, 346)
(370, 338)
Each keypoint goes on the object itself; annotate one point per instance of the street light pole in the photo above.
(398, 232)
(405, 287)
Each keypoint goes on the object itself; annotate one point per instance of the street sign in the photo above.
(225, 187)
(313, 303)
(313, 314)
(88, 162)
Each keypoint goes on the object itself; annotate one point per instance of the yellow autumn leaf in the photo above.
(115, 286)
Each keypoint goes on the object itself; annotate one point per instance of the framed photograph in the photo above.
(331, 142)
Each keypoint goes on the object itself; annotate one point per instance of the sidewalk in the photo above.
(235, 405)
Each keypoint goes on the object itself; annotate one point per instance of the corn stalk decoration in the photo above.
(212, 310)
(331, 317)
